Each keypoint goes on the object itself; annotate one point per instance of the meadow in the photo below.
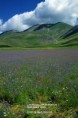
(39, 77)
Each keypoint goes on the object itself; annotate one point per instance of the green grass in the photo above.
(39, 80)
(36, 81)
(39, 36)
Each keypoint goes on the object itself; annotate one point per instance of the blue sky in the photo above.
(8, 8)
(19, 15)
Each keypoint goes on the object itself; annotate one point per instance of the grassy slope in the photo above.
(47, 35)
(70, 38)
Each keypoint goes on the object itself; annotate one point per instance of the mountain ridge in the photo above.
(44, 35)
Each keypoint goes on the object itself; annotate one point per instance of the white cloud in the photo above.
(1, 24)
(49, 11)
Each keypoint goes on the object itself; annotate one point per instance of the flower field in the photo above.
(39, 77)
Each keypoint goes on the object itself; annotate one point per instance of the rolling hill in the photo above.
(44, 35)
(70, 38)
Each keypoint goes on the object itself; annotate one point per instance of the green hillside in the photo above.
(45, 35)
(70, 38)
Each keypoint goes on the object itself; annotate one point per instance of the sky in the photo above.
(21, 14)
(9, 8)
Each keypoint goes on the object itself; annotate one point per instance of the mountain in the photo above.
(44, 35)
(70, 38)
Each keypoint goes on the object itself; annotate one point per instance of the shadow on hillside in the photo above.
(69, 45)
(4, 46)
(71, 32)
(70, 41)
(45, 26)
